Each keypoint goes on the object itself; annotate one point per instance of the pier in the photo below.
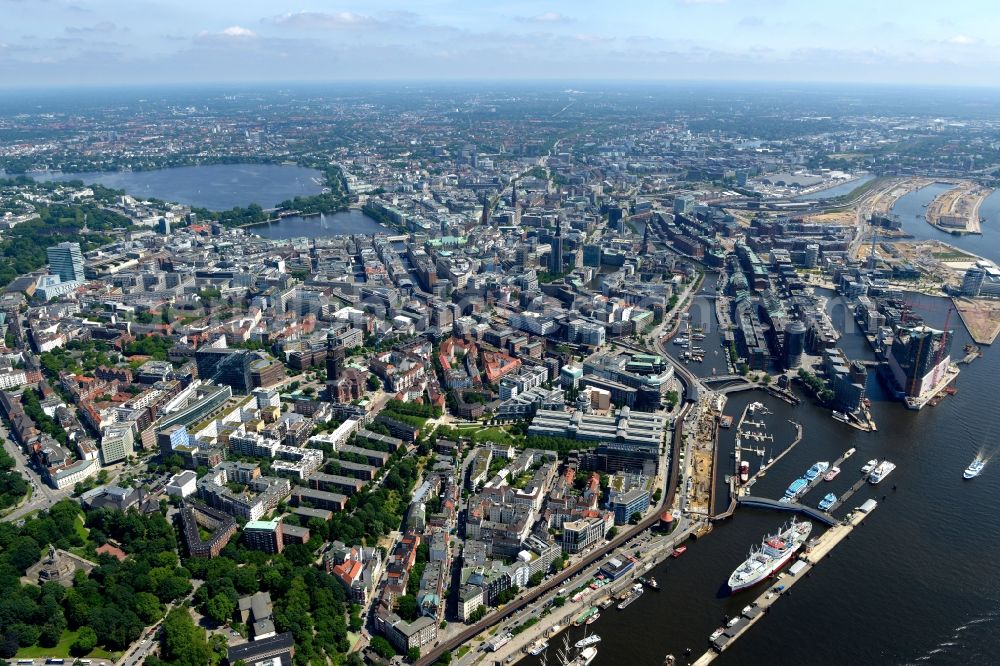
(794, 507)
(755, 611)
(819, 477)
(735, 489)
(771, 463)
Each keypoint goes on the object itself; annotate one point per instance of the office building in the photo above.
(66, 261)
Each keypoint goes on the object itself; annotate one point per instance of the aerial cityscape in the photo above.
(550, 367)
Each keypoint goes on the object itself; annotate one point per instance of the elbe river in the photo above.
(919, 583)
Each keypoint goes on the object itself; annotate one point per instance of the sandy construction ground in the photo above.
(981, 317)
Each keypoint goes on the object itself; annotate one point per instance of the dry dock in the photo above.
(819, 549)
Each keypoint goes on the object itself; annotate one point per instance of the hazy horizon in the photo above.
(82, 43)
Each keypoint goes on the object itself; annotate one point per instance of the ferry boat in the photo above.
(584, 616)
(588, 655)
(832, 474)
(827, 501)
(881, 471)
(587, 641)
(816, 470)
(869, 466)
(975, 468)
(594, 618)
(798, 485)
(774, 552)
(634, 594)
(744, 471)
(538, 647)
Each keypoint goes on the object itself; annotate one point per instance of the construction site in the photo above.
(981, 317)
(957, 210)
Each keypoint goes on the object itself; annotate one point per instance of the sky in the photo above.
(59, 43)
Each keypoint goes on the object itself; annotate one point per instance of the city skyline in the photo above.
(60, 43)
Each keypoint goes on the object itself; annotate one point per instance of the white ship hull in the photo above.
(764, 575)
(774, 553)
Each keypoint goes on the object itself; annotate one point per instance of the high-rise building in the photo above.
(919, 357)
(556, 258)
(683, 204)
(264, 535)
(117, 443)
(230, 367)
(972, 283)
(66, 261)
(795, 344)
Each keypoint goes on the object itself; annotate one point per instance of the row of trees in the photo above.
(12, 485)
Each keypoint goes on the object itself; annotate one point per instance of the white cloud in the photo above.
(103, 26)
(326, 20)
(962, 40)
(546, 17)
(238, 32)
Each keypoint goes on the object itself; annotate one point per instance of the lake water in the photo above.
(211, 186)
(347, 222)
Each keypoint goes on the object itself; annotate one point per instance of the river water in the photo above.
(919, 583)
(211, 186)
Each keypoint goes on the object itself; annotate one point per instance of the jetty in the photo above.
(755, 611)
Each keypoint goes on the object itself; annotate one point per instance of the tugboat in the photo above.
(650, 583)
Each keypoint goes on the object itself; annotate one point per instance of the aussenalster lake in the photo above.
(211, 186)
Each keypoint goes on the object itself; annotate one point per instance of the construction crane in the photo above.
(945, 338)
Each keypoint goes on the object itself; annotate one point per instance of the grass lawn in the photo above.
(496, 435)
(82, 531)
(61, 649)
(462, 651)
